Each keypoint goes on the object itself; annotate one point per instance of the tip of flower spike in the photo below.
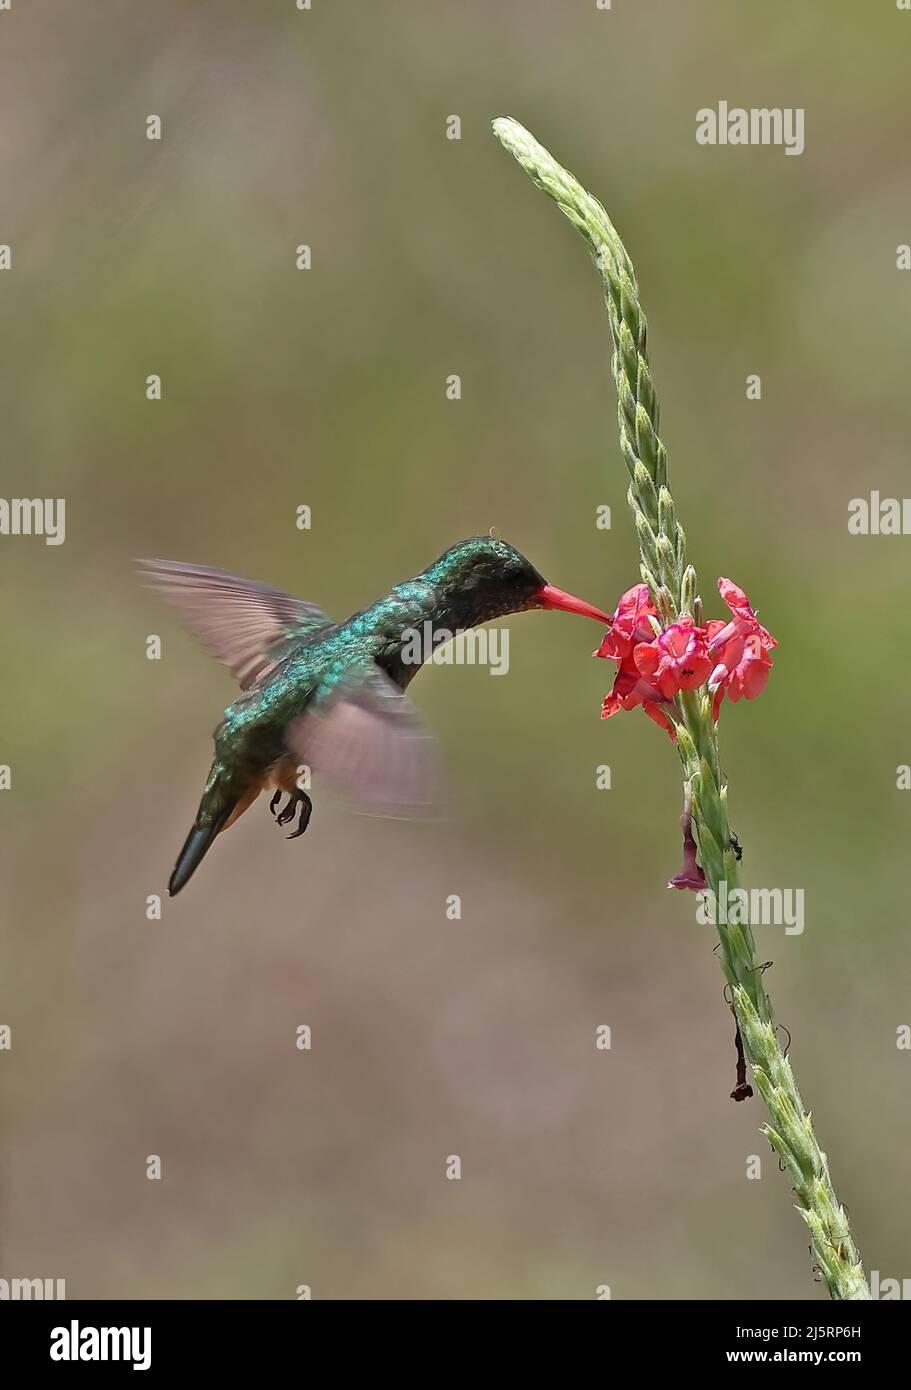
(510, 132)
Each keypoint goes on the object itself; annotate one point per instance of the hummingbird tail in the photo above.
(194, 851)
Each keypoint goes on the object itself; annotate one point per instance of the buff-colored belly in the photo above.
(281, 776)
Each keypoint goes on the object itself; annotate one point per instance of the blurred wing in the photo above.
(247, 626)
(367, 738)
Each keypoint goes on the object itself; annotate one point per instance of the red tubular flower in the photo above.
(629, 630)
(630, 690)
(675, 660)
(630, 624)
(740, 650)
(656, 713)
(652, 668)
(745, 620)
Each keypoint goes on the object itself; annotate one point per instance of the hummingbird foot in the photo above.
(298, 804)
(306, 806)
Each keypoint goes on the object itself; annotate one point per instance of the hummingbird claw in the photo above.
(306, 806)
(298, 804)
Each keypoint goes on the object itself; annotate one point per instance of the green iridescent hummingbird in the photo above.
(327, 698)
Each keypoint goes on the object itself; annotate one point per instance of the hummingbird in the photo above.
(329, 698)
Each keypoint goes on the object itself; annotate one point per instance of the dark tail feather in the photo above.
(194, 850)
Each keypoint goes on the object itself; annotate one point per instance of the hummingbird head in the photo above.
(483, 578)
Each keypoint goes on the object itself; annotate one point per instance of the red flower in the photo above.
(630, 690)
(652, 668)
(744, 620)
(675, 660)
(630, 624)
(740, 650)
(629, 629)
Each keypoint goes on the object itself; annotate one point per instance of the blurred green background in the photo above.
(280, 388)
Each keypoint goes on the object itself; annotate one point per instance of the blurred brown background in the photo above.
(326, 388)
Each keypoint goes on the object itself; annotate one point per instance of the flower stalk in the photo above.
(689, 714)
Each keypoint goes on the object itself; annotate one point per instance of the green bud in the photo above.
(688, 590)
(645, 438)
(646, 392)
(645, 491)
(680, 543)
(667, 517)
(665, 605)
(647, 543)
(668, 561)
(628, 353)
(661, 459)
